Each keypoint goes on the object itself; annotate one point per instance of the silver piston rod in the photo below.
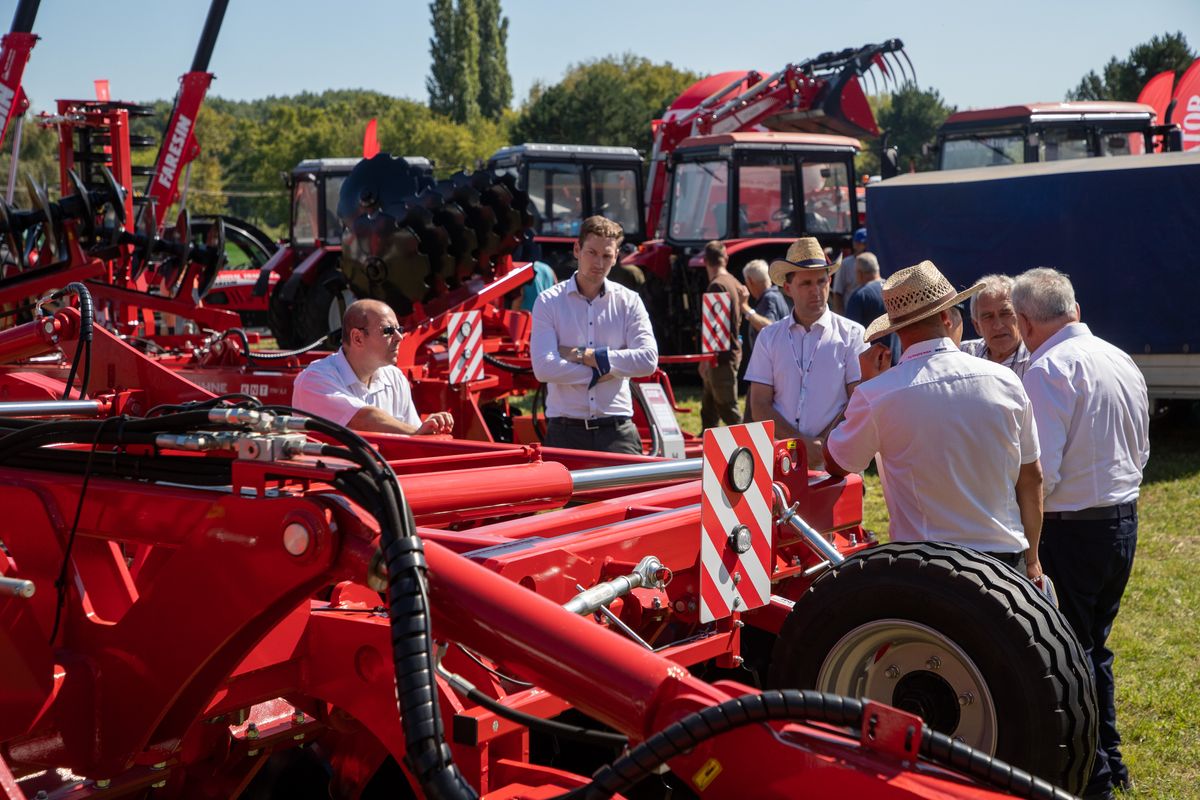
(586, 480)
(51, 408)
(787, 516)
(649, 572)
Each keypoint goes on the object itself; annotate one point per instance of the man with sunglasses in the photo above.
(360, 386)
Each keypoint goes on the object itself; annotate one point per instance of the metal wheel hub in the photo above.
(918, 669)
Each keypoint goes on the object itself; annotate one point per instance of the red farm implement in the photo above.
(202, 598)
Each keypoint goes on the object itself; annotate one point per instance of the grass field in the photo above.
(1157, 634)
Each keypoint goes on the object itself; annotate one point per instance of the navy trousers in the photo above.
(1089, 562)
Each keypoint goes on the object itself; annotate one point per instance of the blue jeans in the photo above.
(1089, 562)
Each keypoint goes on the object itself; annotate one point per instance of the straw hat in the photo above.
(804, 253)
(913, 294)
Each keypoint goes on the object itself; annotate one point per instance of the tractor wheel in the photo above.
(956, 637)
(319, 308)
(280, 320)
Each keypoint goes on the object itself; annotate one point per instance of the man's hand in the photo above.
(579, 355)
(437, 422)
(876, 360)
(815, 450)
(743, 294)
(1033, 569)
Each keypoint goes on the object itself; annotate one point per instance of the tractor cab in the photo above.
(755, 191)
(750, 186)
(568, 183)
(314, 184)
(1045, 132)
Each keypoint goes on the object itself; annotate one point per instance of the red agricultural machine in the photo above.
(209, 594)
(212, 597)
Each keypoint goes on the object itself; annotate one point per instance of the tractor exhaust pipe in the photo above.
(24, 15)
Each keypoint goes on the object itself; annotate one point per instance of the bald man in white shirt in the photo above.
(1093, 418)
(360, 386)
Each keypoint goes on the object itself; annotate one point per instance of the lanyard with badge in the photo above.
(804, 370)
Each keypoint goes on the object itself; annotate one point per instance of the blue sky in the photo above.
(975, 54)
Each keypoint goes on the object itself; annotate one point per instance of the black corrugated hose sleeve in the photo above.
(427, 754)
(507, 367)
(799, 705)
(86, 324)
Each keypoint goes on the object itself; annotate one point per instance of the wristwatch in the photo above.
(578, 352)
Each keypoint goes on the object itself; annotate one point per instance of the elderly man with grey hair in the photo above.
(994, 319)
(1092, 412)
(762, 304)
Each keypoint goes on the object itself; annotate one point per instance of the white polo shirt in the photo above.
(952, 431)
(330, 389)
(1093, 420)
(809, 369)
(1018, 362)
(616, 322)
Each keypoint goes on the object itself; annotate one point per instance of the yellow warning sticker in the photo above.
(706, 774)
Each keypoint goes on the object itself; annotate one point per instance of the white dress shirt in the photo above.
(330, 389)
(809, 369)
(952, 432)
(1093, 420)
(615, 321)
(1018, 361)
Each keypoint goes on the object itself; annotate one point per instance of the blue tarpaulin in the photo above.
(1125, 229)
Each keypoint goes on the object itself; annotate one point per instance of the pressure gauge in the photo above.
(741, 469)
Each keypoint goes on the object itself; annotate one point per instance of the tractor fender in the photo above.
(304, 274)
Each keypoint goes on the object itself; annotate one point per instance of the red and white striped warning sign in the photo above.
(716, 318)
(736, 526)
(464, 337)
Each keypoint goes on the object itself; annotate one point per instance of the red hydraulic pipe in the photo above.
(485, 492)
(38, 337)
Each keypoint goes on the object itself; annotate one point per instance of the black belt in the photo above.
(1099, 512)
(588, 424)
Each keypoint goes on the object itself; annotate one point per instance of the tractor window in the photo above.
(304, 212)
(1063, 144)
(700, 201)
(766, 196)
(614, 195)
(333, 226)
(556, 192)
(1122, 143)
(983, 150)
(826, 197)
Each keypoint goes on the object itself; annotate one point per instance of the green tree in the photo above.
(606, 102)
(440, 83)
(1124, 79)
(911, 120)
(495, 83)
(464, 104)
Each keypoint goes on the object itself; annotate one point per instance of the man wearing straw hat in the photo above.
(955, 434)
(804, 366)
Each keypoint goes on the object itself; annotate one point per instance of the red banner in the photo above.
(1187, 106)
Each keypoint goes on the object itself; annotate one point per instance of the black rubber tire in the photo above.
(279, 319)
(1033, 670)
(319, 308)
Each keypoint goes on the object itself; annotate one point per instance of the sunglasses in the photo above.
(386, 330)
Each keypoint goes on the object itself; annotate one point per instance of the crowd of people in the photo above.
(1027, 443)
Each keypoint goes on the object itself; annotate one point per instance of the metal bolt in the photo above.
(298, 718)
(795, 561)
(966, 698)
(934, 662)
(691, 606)
(252, 753)
(892, 672)
(738, 661)
(299, 737)
(296, 539)
(656, 602)
(737, 578)
(159, 766)
(251, 731)
(48, 326)
(495, 725)
(680, 606)
(158, 785)
(103, 783)
(737, 601)
(737, 623)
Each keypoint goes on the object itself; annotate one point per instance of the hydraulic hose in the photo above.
(87, 318)
(507, 367)
(796, 704)
(253, 357)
